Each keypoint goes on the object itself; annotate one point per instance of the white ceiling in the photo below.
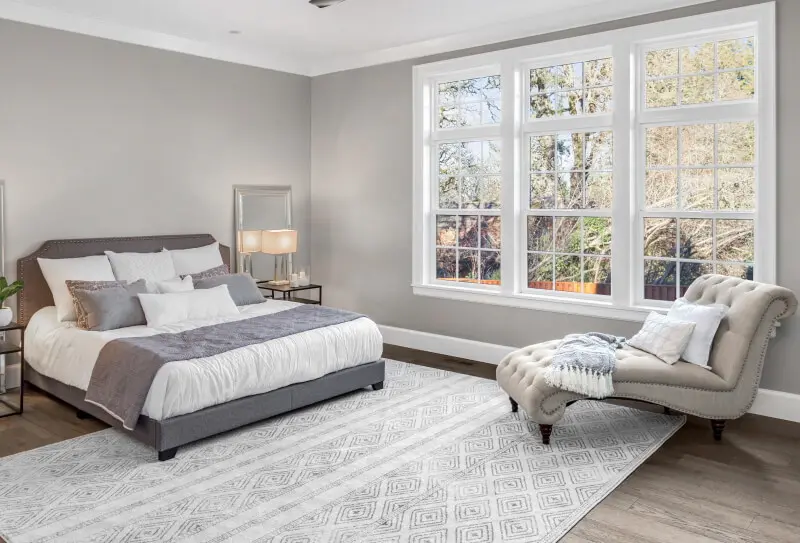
(293, 36)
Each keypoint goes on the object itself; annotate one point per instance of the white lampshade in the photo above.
(249, 241)
(278, 242)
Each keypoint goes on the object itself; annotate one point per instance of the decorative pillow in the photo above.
(170, 286)
(213, 272)
(663, 337)
(241, 286)
(189, 261)
(161, 309)
(707, 319)
(57, 271)
(148, 266)
(111, 308)
(73, 286)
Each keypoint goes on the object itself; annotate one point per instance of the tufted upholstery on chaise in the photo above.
(725, 392)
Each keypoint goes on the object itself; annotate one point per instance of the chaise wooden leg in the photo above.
(546, 430)
(514, 405)
(168, 454)
(718, 426)
(377, 386)
(82, 415)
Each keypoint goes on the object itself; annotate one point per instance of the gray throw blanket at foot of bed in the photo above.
(585, 363)
(126, 367)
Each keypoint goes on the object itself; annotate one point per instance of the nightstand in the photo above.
(8, 407)
(287, 292)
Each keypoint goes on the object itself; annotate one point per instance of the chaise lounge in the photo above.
(726, 392)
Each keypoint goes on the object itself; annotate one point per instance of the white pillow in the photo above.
(706, 319)
(663, 337)
(189, 261)
(161, 309)
(131, 267)
(57, 271)
(170, 286)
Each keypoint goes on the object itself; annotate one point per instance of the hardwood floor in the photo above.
(745, 488)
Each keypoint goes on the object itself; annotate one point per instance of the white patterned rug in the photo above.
(433, 457)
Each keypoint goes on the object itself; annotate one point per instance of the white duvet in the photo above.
(62, 351)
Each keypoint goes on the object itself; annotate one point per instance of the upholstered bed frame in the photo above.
(169, 434)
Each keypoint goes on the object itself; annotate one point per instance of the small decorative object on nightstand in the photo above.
(6, 292)
(287, 292)
(7, 407)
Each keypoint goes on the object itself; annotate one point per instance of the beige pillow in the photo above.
(663, 337)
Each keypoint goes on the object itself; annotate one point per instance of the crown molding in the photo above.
(261, 57)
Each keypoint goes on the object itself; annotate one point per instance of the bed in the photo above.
(193, 399)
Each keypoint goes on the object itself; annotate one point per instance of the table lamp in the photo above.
(279, 243)
(249, 242)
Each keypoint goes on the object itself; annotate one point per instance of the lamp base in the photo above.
(278, 283)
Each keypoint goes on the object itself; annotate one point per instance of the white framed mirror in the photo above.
(260, 207)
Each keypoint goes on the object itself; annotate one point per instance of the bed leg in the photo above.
(82, 415)
(377, 386)
(168, 454)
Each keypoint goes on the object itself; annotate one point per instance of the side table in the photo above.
(7, 407)
(287, 292)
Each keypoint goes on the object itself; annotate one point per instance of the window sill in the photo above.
(572, 306)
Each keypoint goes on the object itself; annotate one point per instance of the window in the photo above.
(599, 175)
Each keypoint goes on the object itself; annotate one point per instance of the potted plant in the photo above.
(6, 292)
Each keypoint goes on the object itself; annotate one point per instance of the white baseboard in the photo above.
(769, 403)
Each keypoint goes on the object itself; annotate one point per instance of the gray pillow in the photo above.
(242, 288)
(112, 308)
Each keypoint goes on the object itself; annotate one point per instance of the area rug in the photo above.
(433, 457)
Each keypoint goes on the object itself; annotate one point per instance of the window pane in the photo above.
(659, 280)
(568, 104)
(736, 270)
(567, 235)
(468, 231)
(662, 63)
(661, 237)
(449, 158)
(490, 232)
(737, 188)
(691, 271)
(569, 151)
(448, 192)
(489, 189)
(597, 275)
(697, 145)
(570, 190)
(568, 273)
(662, 93)
(697, 58)
(543, 105)
(736, 143)
(738, 85)
(697, 240)
(490, 267)
(661, 189)
(540, 233)
(599, 151)
(697, 189)
(599, 100)
(470, 199)
(445, 263)
(543, 189)
(468, 266)
(662, 146)
(543, 154)
(599, 190)
(561, 77)
(597, 235)
(599, 72)
(736, 53)
(446, 230)
(540, 271)
(735, 240)
(469, 102)
(569, 90)
(697, 89)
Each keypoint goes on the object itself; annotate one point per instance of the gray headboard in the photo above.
(37, 294)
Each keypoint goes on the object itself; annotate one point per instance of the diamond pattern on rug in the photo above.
(434, 456)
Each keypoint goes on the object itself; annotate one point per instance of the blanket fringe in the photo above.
(580, 380)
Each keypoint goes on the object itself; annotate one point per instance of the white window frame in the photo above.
(626, 47)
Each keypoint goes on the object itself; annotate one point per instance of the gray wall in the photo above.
(361, 193)
(100, 138)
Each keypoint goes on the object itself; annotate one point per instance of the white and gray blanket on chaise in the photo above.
(585, 364)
